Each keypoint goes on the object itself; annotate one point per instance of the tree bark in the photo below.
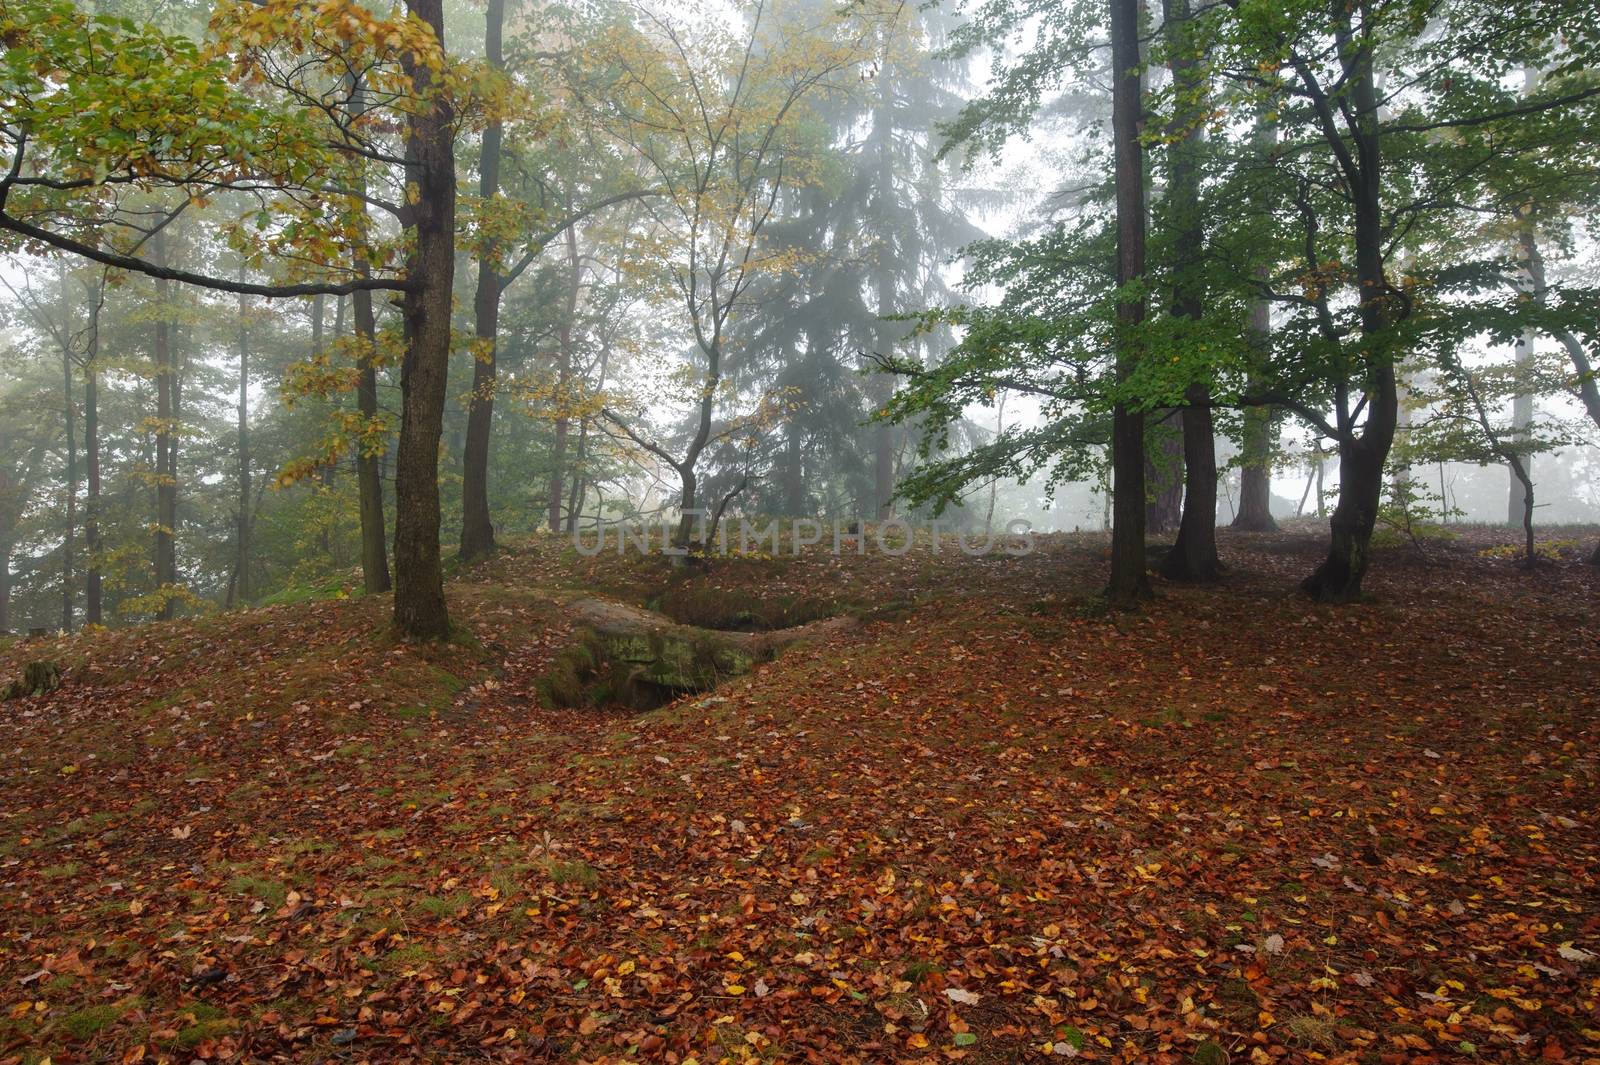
(477, 528)
(1129, 580)
(1193, 556)
(1255, 469)
(419, 606)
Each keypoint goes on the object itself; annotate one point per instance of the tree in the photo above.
(1129, 581)
(1368, 159)
(1194, 555)
(717, 120)
(166, 116)
(1256, 441)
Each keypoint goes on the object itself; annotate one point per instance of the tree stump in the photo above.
(38, 677)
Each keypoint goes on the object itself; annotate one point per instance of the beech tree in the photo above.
(1129, 581)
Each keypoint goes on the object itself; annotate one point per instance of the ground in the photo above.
(989, 822)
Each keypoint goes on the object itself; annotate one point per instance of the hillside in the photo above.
(982, 822)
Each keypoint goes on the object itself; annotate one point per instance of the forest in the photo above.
(799, 530)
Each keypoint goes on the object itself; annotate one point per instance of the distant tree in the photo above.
(718, 120)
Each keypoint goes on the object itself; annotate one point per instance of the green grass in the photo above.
(406, 957)
(565, 874)
(445, 905)
(268, 891)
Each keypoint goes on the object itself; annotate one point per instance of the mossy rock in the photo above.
(683, 662)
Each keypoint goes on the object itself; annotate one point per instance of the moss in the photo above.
(407, 957)
(1315, 1032)
(192, 1035)
(84, 1023)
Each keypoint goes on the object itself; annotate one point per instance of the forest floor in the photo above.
(988, 823)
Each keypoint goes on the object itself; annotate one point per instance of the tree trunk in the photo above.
(1194, 556)
(1588, 384)
(91, 448)
(883, 442)
(558, 447)
(1521, 425)
(369, 479)
(242, 587)
(419, 606)
(369, 469)
(1163, 471)
(166, 556)
(477, 528)
(1338, 579)
(683, 537)
(1255, 469)
(5, 584)
(575, 495)
(69, 413)
(1524, 479)
(1361, 458)
(1322, 468)
(794, 477)
(1129, 581)
(697, 443)
(1259, 432)
(580, 478)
